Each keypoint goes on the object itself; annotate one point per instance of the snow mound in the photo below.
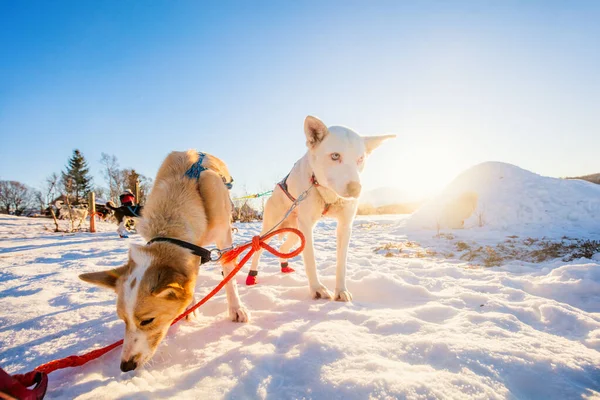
(502, 196)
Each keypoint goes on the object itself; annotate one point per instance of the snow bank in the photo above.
(502, 196)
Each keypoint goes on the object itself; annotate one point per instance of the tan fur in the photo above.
(196, 211)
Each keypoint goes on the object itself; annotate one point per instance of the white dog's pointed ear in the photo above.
(373, 142)
(315, 131)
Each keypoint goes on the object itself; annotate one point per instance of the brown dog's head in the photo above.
(153, 288)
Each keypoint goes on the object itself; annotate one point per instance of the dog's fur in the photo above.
(103, 212)
(78, 212)
(157, 282)
(339, 185)
(123, 214)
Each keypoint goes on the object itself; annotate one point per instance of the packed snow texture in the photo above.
(418, 328)
(505, 197)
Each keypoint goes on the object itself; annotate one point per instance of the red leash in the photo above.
(16, 386)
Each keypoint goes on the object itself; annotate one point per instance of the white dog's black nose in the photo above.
(128, 365)
(353, 189)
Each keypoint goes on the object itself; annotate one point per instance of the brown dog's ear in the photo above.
(170, 284)
(373, 142)
(105, 278)
(315, 131)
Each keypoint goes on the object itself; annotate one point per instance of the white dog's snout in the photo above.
(353, 189)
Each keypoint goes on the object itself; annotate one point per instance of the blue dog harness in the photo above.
(197, 168)
(134, 211)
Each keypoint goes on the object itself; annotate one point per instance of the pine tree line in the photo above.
(76, 179)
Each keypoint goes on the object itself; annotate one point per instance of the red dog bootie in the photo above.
(252, 279)
(285, 269)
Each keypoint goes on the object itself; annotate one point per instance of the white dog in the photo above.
(330, 172)
(63, 211)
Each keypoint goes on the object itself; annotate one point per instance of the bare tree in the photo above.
(50, 189)
(15, 197)
(5, 202)
(101, 193)
(113, 175)
(131, 177)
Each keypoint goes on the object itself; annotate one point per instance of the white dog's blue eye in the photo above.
(335, 156)
(146, 321)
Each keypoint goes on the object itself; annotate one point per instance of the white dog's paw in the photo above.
(320, 292)
(342, 295)
(239, 314)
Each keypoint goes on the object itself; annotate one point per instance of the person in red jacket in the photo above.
(127, 198)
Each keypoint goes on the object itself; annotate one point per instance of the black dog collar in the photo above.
(204, 254)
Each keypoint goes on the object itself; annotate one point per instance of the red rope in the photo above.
(9, 385)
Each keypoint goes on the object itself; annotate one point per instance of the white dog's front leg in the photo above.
(237, 312)
(344, 230)
(317, 289)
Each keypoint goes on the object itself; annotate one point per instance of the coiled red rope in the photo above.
(16, 386)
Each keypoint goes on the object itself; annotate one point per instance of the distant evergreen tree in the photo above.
(77, 181)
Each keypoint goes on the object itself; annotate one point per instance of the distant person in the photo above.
(127, 198)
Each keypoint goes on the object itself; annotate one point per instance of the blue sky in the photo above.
(458, 82)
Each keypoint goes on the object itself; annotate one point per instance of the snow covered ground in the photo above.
(423, 324)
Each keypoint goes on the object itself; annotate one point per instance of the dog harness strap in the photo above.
(134, 211)
(313, 180)
(283, 186)
(197, 168)
(201, 252)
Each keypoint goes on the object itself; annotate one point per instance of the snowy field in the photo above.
(425, 322)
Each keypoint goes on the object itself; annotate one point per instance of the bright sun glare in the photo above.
(419, 173)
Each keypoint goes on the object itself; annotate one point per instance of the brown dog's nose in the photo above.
(128, 365)
(354, 189)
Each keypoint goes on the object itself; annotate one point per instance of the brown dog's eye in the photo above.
(146, 321)
(335, 156)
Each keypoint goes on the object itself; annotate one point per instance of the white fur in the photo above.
(122, 230)
(78, 212)
(135, 341)
(336, 178)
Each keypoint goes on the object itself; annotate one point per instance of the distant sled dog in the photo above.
(78, 213)
(123, 214)
(189, 202)
(332, 165)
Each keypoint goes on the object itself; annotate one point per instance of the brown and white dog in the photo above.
(333, 163)
(157, 283)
